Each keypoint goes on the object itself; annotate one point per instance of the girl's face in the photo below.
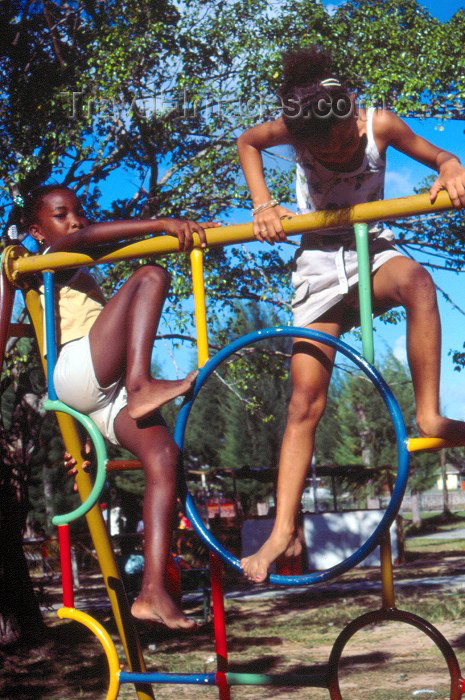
(59, 214)
(342, 144)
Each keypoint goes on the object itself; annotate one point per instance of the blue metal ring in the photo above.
(399, 427)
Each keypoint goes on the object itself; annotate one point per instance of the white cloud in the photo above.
(400, 349)
(452, 397)
(399, 183)
(331, 9)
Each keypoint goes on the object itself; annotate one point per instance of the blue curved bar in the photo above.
(396, 417)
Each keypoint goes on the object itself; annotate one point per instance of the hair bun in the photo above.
(306, 66)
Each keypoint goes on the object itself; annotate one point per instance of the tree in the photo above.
(81, 102)
(366, 431)
(21, 419)
(162, 91)
(238, 417)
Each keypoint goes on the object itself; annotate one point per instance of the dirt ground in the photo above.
(276, 635)
(286, 632)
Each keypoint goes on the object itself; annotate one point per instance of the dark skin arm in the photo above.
(112, 232)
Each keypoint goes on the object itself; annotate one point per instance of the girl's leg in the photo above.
(311, 368)
(159, 455)
(401, 281)
(121, 342)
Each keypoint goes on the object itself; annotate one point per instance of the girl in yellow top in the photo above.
(103, 367)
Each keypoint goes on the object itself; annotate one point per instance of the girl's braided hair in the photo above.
(33, 200)
(25, 209)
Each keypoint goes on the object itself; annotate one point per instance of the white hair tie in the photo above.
(330, 82)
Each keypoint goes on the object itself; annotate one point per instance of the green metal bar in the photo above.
(313, 680)
(101, 454)
(364, 291)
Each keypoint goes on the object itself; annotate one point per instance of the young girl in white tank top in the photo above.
(340, 162)
(325, 265)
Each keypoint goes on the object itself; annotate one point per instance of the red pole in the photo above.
(219, 625)
(65, 562)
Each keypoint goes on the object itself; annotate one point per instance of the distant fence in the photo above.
(427, 501)
(435, 501)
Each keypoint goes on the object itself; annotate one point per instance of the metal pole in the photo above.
(364, 291)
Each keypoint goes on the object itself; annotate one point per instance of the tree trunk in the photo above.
(445, 490)
(365, 434)
(416, 517)
(20, 616)
(47, 485)
(22, 414)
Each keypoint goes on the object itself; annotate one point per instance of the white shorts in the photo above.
(77, 386)
(325, 272)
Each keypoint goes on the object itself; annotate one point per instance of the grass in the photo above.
(293, 633)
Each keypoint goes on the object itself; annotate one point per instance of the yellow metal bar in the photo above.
(387, 575)
(106, 642)
(200, 306)
(17, 264)
(430, 444)
(96, 524)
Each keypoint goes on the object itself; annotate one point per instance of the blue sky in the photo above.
(403, 175)
(441, 9)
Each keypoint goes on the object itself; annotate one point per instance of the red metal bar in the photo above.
(222, 685)
(119, 465)
(66, 569)
(21, 330)
(219, 625)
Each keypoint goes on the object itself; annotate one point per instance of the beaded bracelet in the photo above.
(266, 205)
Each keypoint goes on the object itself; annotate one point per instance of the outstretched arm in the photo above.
(114, 231)
(451, 177)
(267, 223)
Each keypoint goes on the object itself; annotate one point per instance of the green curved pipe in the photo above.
(101, 454)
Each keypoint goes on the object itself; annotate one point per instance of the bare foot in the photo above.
(256, 566)
(445, 428)
(294, 549)
(153, 394)
(162, 610)
(289, 562)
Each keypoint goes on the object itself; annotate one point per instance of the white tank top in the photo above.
(320, 188)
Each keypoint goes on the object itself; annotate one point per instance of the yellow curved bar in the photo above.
(106, 642)
(431, 444)
(383, 210)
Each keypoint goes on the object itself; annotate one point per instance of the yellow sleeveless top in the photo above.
(78, 302)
